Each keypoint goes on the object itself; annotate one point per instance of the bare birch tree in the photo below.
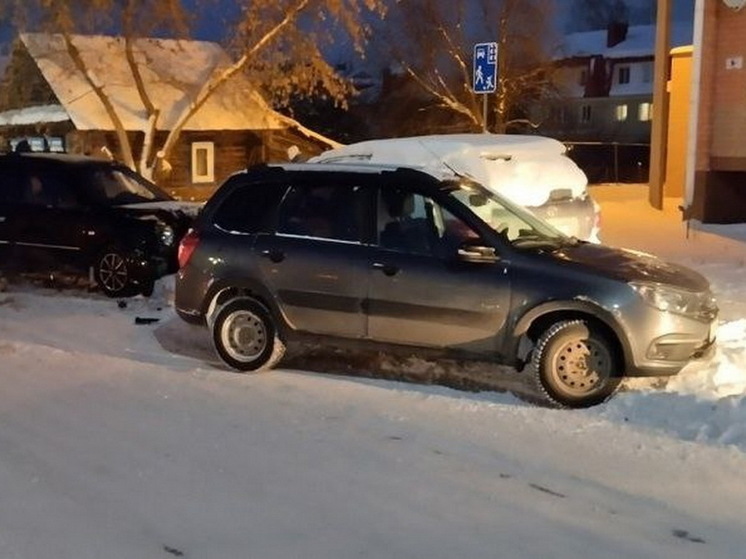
(269, 38)
(433, 42)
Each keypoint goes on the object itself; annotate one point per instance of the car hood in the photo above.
(630, 265)
(172, 212)
(172, 206)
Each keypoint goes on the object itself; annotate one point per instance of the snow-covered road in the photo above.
(125, 440)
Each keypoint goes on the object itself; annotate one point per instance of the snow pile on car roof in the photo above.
(525, 169)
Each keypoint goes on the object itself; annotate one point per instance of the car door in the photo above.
(10, 209)
(55, 227)
(420, 293)
(315, 262)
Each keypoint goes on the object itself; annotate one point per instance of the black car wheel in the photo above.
(112, 273)
(245, 336)
(575, 366)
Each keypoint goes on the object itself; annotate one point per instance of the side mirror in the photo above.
(477, 254)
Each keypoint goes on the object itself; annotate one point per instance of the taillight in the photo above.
(186, 247)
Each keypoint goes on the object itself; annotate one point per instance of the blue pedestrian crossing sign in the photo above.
(485, 68)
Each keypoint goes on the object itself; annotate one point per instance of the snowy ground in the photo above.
(125, 440)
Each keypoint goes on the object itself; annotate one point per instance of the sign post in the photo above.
(485, 73)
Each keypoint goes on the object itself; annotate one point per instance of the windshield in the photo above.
(519, 226)
(115, 186)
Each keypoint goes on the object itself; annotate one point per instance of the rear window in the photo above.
(248, 208)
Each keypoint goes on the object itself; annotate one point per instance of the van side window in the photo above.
(324, 212)
(248, 208)
(411, 222)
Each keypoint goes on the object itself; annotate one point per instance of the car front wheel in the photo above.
(113, 274)
(575, 366)
(245, 336)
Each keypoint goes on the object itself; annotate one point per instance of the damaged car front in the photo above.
(63, 214)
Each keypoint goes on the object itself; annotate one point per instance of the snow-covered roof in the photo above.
(640, 41)
(34, 115)
(173, 72)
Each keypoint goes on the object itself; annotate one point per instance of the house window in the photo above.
(585, 113)
(621, 113)
(203, 162)
(647, 72)
(645, 112)
(623, 75)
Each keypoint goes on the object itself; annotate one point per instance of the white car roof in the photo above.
(524, 168)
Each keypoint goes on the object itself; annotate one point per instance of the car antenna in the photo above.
(447, 165)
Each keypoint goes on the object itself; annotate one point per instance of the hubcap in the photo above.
(244, 336)
(113, 272)
(582, 366)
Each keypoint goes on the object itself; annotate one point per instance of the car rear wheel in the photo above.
(575, 366)
(113, 274)
(245, 336)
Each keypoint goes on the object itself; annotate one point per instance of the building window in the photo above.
(621, 113)
(623, 75)
(647, 72)
(203, 162)
(645, 112)
(585, 113)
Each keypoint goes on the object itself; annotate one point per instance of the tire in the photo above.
(245, 336)
(147, 287)
(575, 366)
(112, 273)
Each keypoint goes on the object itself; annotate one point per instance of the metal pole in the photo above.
(616, 162)
(659, 132)
(484, 112)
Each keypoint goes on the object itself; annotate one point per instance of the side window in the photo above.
(248, 208)
(323, 211)
(413, 223)
(11, 183)
(45, 188)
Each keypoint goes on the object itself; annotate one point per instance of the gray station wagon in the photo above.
(386, 255)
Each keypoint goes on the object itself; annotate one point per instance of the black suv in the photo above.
(397, 256)
(61, 213)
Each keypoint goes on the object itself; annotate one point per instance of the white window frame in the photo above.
(209, 149)
(645, 112)
(621, 113)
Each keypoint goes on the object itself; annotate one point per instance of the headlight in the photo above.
(700, 305)
(165, 234)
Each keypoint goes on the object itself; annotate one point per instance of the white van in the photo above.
(533, 171)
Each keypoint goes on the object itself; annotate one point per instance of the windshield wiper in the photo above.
(534, 240)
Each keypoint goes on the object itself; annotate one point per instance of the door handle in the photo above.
(274, 255)
(387, 269)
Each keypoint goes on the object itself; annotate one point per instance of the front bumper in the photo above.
(148, 268)
(669, 352)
